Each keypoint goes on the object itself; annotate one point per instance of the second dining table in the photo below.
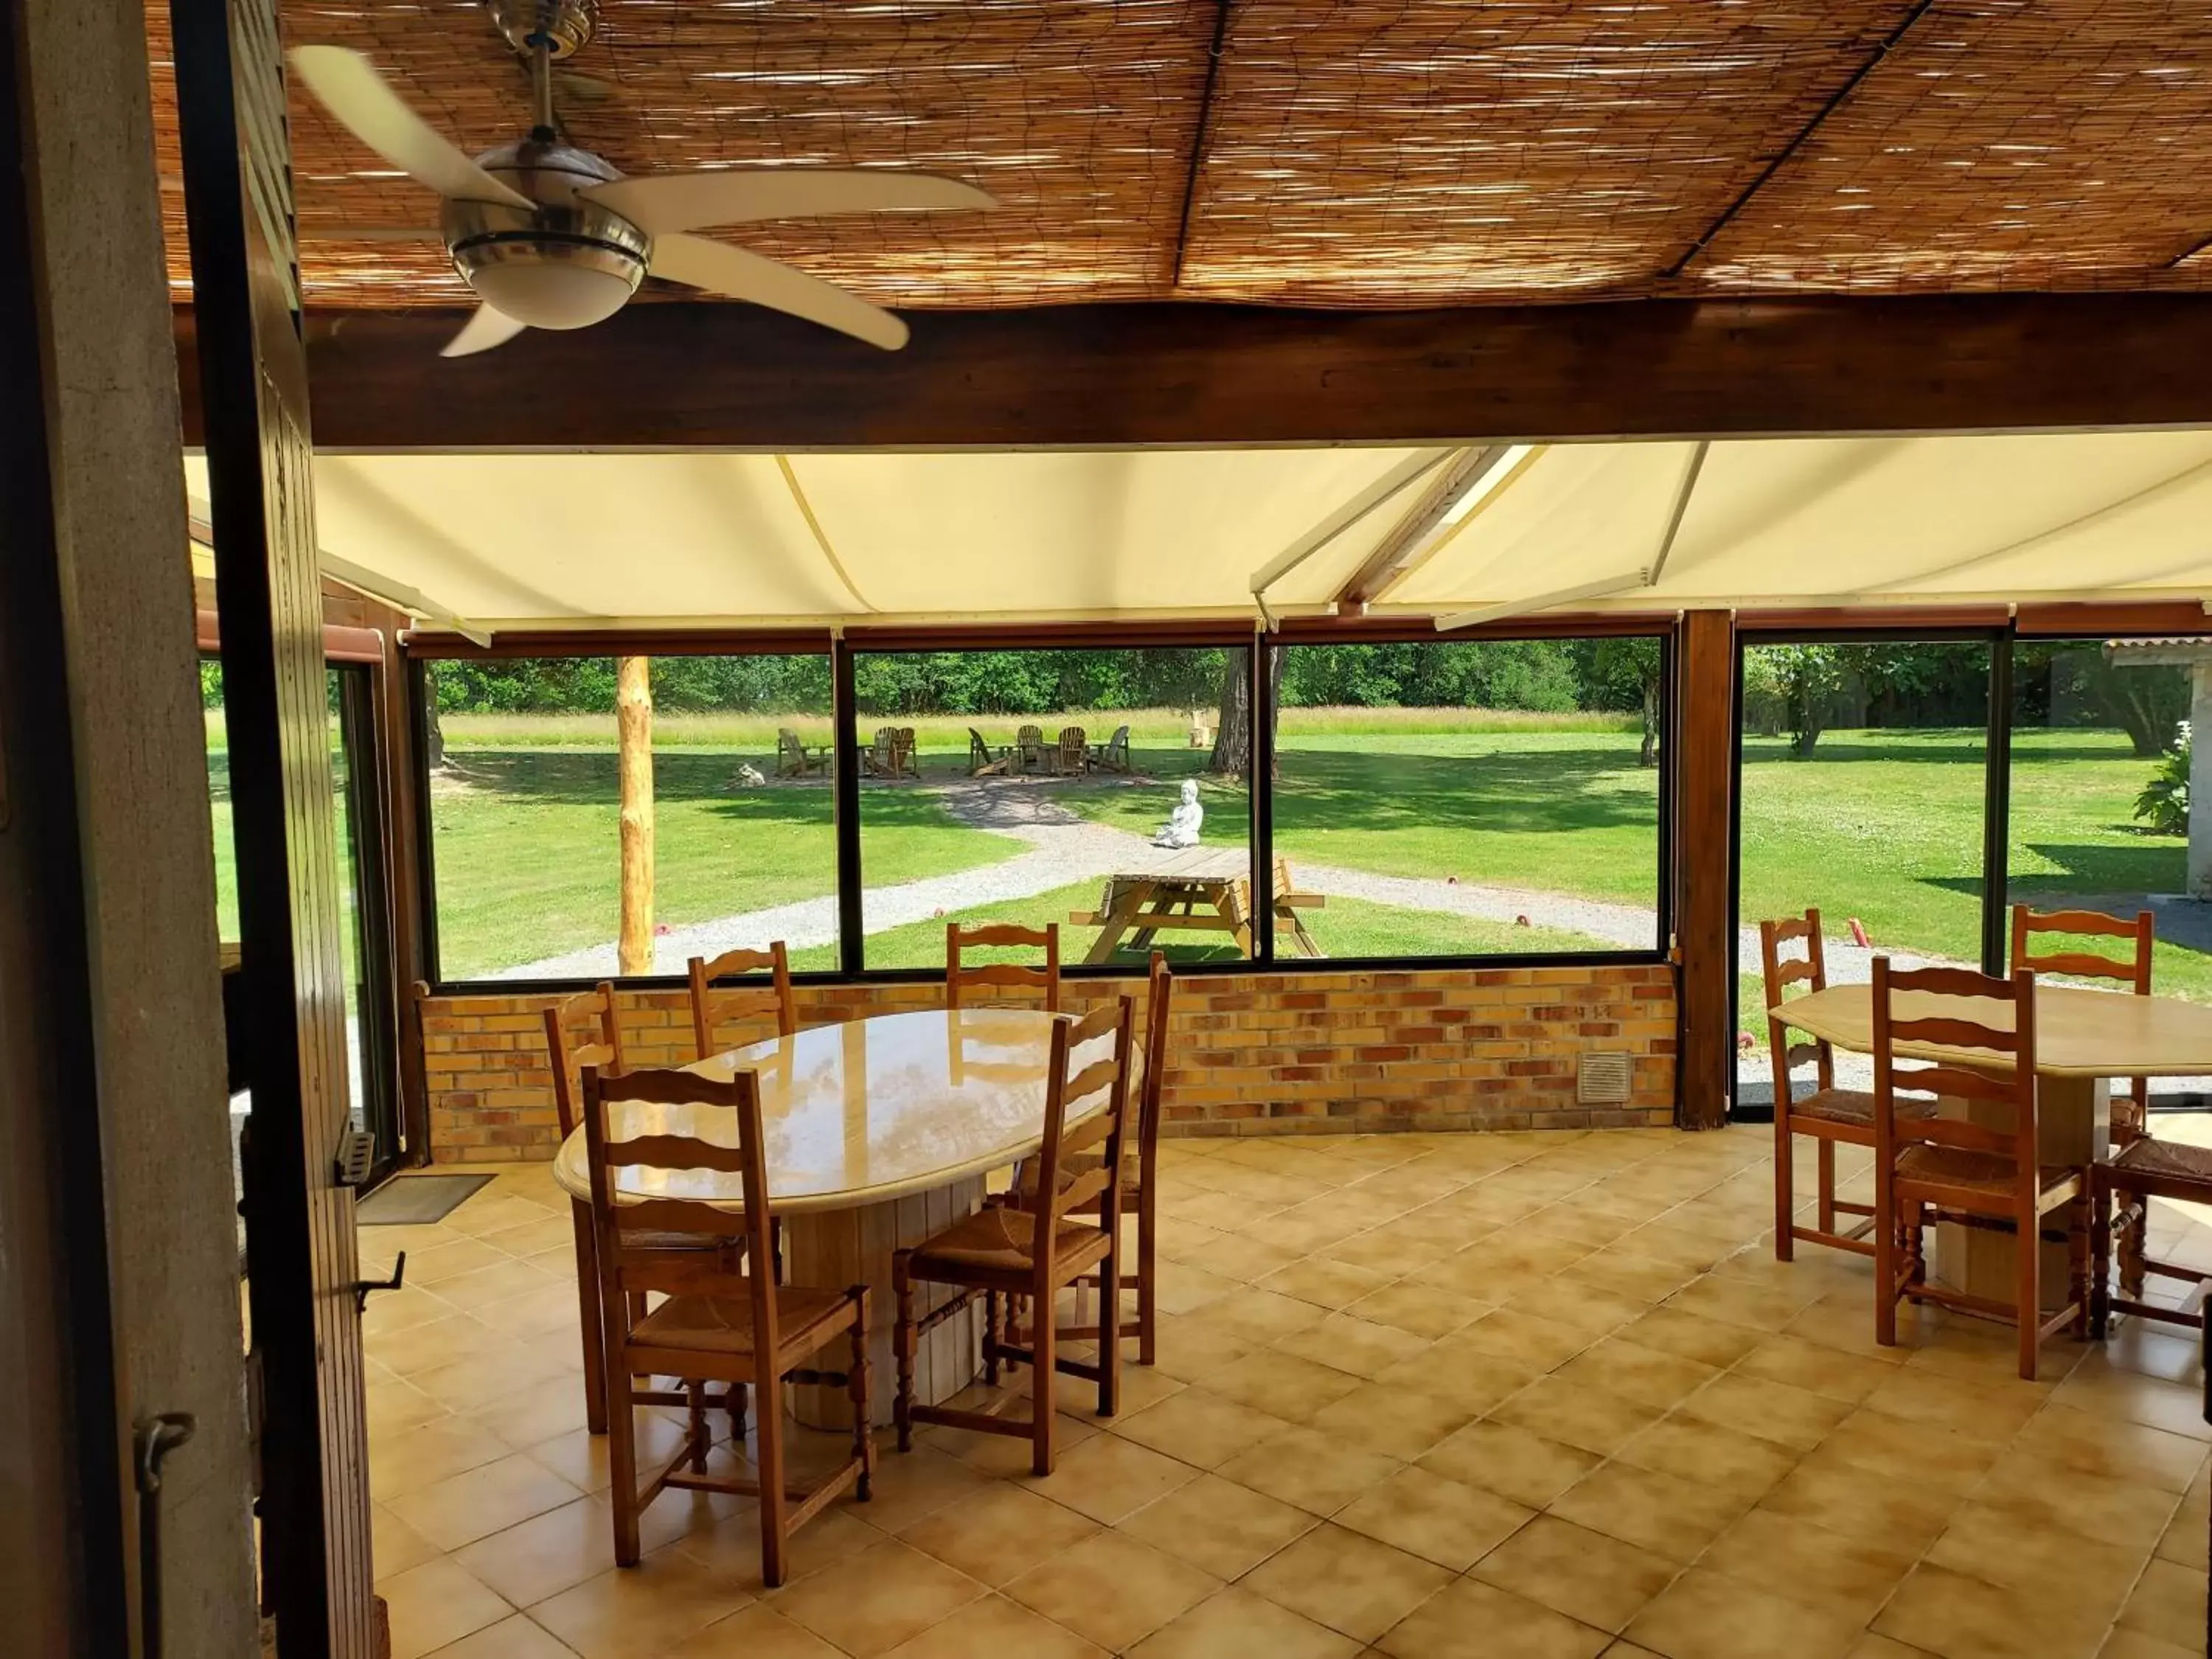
(2083, 1040)
(878, 1132)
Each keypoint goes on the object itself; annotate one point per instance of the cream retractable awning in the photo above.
(717, 540)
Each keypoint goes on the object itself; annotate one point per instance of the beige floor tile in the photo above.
(1710, 1615)
(483, 1382)
(481, 1501)
(1325, 1282)
(395, 1547)
(641, 1612)
(2016, 1552)
(1391, 1421)
(545, 1554)
(1000, 1533)
(1218, 1526)
(1236, 1624)
(1577, 1414)
(1467, 1376)
(581, 1458)
(2044, 1490)
(1787, 1415)
(534, 1412)
(996, 1625)
(870, 1602)
(441, 1262)
(1647, 1376)
(1241, 1258)
(1357, 1345)
(1282, 1385)
(498, 1282)
(2168, 1603)
(1997, 1409)
(1871, 1646)
(910, 1486)
(1657, 1511)
(436, 1604)
(2120, 1450)
(732, 1545)
(423, 1456)
(1446, 1522)
(1181, 1288)
(1108, 1477)
(1199, 1428)
(1860, 1503)
(753, 1633)
(514, 1638)
(1525, 1338)
(2098, 1385)
(1350, 1582)
(1473, 1620)
(1111, 1589)
(1853, 1575)
(1420, 1308)
(1590, 1308)
(1708, 1341)
(1926, 1453)
(1262, 1316)
(1510, 1461)
(1962, 1617)
(1815, 1368)
(2134, 1644)
(1310, 1469)
(1573, 1570)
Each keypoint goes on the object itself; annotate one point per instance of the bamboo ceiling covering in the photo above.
(1362, 153)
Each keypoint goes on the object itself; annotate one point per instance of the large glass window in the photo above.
(1039, 786)
(1461, 797)
(1861, 792)
(525, 813)
(2101, 813)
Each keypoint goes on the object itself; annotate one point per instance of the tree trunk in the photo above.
(1232, 737)
(433, 736)
(634, 728)
(1648, 755)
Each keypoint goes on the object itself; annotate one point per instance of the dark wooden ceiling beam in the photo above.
(706, 375)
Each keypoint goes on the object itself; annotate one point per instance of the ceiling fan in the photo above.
(548, 235)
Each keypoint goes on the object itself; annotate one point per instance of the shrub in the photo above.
(2165, 800)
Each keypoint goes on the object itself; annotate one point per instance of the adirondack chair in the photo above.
(794, 759)
(905, 762)
(1030, 749)
(983, 761)
(1113, 755)
(1074, 754)
(881, 755)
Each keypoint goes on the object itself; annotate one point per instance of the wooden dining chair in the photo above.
(2128, 1179)
(1984, 1170)
(961, 980)
(716, 1323)
(1139, 1178)
(1004, 1252)
(2130, 1109)
(712, 1007)
(1826, 1115)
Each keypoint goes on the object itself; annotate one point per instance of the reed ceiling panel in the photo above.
(2001, 145)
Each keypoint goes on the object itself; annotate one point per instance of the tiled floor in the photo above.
(1422, 1396)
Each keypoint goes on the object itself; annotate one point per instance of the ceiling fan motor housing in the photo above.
(568, 263)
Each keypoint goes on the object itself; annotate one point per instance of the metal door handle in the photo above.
(152, 1440)
(362, 1287)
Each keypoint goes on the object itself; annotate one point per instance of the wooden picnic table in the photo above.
(1200, 890)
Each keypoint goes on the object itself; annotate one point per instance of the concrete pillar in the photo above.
(2200, 779)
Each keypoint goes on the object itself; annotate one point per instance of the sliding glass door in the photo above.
(365, 913)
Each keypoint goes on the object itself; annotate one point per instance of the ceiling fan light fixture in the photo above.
(551, 292)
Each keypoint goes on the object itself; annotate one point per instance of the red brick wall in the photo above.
(1248, 1053)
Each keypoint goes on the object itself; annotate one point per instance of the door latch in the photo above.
(151, 1441)
(362, 1287)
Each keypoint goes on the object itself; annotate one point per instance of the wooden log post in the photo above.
(633, 729)
(1704, 946)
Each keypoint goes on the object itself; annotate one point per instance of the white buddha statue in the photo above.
(1182, 828)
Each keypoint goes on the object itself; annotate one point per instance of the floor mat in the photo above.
(411, 1201)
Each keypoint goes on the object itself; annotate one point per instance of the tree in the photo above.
(1631, 667)
(1232, 737)
(1809, 680)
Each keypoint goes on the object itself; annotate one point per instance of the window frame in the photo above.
(841, 646)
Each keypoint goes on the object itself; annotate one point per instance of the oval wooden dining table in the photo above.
(879, 1133)
(2083, 1040)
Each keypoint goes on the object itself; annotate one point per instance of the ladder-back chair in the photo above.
(1002, 1252)
(712, 1007)
(960, 980)
(717, 1324)
(1984, 1171)
(2130, 1109)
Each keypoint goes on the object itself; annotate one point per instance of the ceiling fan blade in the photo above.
(487, 328)
(364, 100)
(731, 196)
(722, 269)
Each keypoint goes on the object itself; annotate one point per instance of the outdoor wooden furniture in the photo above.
(1199, 890)
(711, 1007)
(880, 1133)
(960, 979)
(983, 761)
(1113, 755)
(716, 1323)
(1139, 1178)
(2084, 1039)
(2141, 1169)
(1029, 748)
(2131, 1110)
(568, 1059)
(1827, 1114)
(1072, 758)
(1004, 1252)
(1985, 1168)
(794, 759)
(891, 753)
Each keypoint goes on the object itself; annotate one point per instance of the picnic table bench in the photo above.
(1202, 891)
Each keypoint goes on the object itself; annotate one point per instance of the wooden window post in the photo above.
(634, 728)
(1705, 942)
